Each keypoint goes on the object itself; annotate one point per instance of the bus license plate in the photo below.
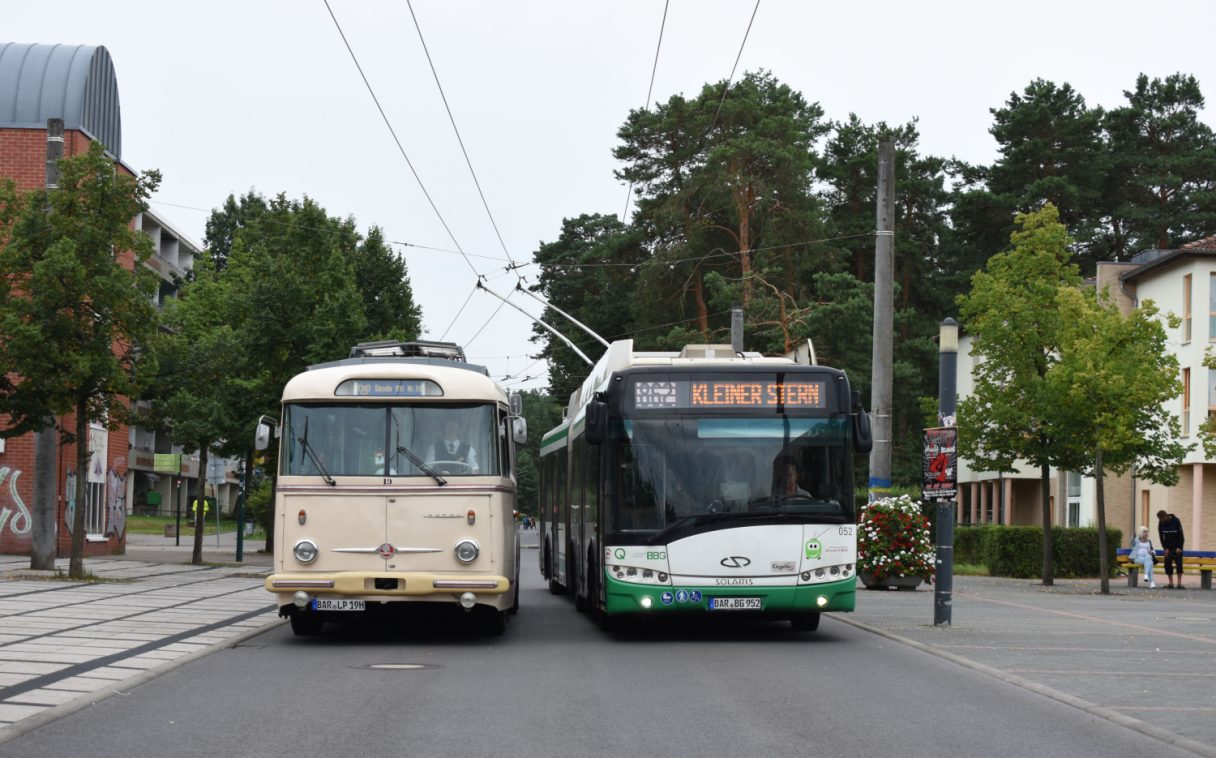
(735, 604)
(336, 604)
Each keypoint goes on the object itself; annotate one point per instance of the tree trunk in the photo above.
(76, 562)
(698, 295)
(744, 198)
(1048, 559)
(1103, 567)
(200, 513)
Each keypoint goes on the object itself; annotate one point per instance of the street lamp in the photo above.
(947, 350)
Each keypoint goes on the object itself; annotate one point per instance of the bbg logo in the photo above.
(620, 553)
(656, 555)
(814, 549)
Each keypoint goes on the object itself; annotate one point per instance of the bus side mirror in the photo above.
(519, 430)
(261, 435)
(863, 436)
(516, 401)
(596, 422)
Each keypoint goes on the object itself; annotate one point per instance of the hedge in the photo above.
(1017, 551)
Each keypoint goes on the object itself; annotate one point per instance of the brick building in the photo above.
(78, 84)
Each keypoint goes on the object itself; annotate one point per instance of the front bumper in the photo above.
(779, 601)
(385, 586)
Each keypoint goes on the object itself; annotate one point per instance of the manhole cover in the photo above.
(400, 666)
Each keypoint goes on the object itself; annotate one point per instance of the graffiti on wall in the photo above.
(116, 501)
(69, 497)
(13, 513)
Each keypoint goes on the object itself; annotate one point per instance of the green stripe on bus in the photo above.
(625, 597)
(552, 437)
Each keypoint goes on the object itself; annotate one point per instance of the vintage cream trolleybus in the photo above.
(395, 486)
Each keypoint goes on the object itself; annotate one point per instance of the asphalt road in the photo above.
(555, 685)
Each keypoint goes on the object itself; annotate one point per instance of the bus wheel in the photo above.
(306, 624)
(580, 604)
(806, 622)
(555, 587)
(494, 621)
(515, 603)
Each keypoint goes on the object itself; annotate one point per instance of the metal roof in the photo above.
(72, 82)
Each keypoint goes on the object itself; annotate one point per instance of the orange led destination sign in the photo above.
(729, 393)
(736, 394)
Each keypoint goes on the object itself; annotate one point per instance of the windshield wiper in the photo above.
(422, 465)
(313, 457)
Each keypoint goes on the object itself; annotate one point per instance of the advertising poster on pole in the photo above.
(940, 463)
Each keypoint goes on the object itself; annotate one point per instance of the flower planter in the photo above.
(891, 582)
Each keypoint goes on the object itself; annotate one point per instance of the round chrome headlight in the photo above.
(467, 551)
(305, 551)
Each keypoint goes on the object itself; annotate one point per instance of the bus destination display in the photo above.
(728, 393)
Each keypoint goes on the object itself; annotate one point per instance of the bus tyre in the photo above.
(555, 587)
(580, 604)
(306, 624)
(805, 622)
(515, 602)
(494, 621)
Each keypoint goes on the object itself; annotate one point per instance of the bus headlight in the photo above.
(467, 551)
(305, 551)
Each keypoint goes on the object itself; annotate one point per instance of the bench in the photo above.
(1201, 561)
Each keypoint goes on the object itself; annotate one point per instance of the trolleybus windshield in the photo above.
(666, 470)
(372, 439)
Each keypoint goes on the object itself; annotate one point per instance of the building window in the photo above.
(1186, 308)
(1186, 402)
(1143, 507)
(1212, 307)
(1074, 498)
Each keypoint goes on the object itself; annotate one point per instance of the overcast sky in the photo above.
(224, 97)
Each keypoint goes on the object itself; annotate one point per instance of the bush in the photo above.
(1017, 551)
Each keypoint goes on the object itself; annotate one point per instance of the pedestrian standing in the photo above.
(1142, 553)
(1169, 529)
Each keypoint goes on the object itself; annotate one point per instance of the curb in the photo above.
(1148, 730)
(38, 720)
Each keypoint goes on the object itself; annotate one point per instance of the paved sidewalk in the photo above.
(1143, 658)
(153, 547)
(67, 644)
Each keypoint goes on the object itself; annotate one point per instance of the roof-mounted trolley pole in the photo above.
(554, 332)
(519, 286)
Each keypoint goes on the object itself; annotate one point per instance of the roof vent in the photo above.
(719, 352)
(419, 349)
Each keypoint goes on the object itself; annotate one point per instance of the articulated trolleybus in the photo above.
(704, 481)
(395, 485)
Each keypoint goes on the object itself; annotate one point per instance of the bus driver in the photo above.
(452, 448)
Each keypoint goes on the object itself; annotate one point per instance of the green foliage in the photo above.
(1011, 315)
(1017, 551)
(76, 303)
(542, 414)
(75, 300)
(1161, 190)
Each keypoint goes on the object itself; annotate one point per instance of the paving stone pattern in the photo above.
(62, 639)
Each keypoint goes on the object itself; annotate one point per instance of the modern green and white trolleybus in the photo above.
(395, 486)
(704, 481)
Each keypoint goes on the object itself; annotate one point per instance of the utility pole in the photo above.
(884, 323)
(736, 328)
(44, 517)
(947, 391)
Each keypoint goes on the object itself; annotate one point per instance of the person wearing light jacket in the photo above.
(1142, 553)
